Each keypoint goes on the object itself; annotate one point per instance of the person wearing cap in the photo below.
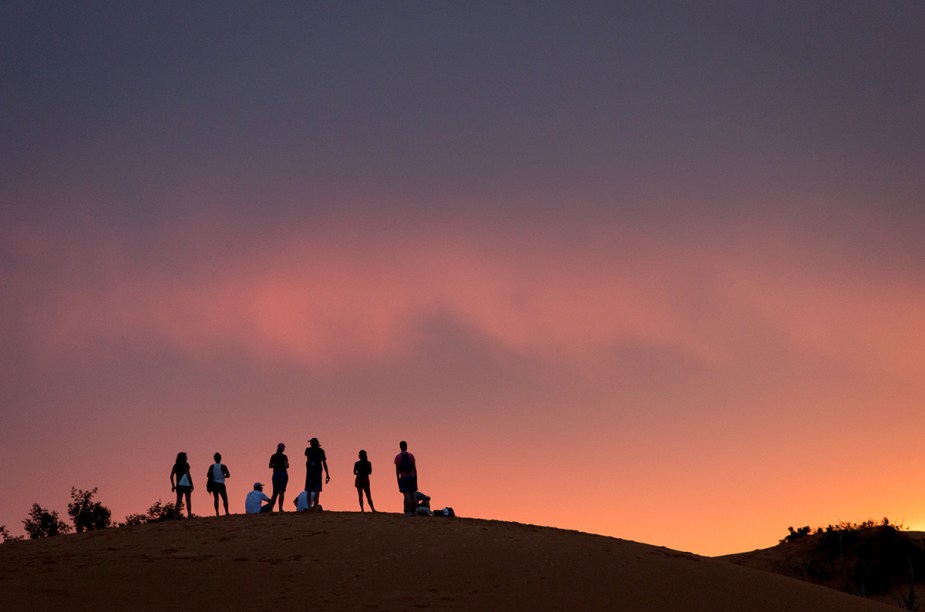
(279, 463)
(315, 460)
(253, 503)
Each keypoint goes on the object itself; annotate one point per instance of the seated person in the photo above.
(301, 502)
(253, 502)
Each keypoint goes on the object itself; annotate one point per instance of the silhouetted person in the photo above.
(302, 502)
(362, 469)
(253, 503)
(315, 460)
(216, 482)
(279, 463)
(183, 484)
(406, 472)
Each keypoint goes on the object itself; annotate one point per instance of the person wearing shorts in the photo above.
(362, 469)
(183, 485)
(315, 461)
(216, 482)
(406, 471)
(279, 463)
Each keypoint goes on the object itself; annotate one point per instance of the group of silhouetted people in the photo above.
(308, 500)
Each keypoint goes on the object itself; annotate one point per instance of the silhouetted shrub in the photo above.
(156, 513)
(796, 534)
(87, 514)
(43, 523)
(7, 537)
(868, 558)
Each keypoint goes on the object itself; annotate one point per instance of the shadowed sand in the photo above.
(353, 561)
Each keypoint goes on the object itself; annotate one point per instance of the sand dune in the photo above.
(353, 561)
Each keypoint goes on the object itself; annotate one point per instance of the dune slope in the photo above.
(353, 561)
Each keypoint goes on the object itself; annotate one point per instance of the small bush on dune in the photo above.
(7, 537)
(43, 523)
(158, 512)
(87, 514)
(796, 534)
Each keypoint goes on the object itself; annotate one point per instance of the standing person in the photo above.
(406, 471)
(184, 483)
(279, 463)
(253, 503)
(362, 469)
(216, 482)
(315, 460)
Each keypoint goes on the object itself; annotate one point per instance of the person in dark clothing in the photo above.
(362, 469)
(279, 463)
(406, 472)
(215, 484)
(315, 461)
(183, 485)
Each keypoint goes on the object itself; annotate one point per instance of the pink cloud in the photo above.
(318, 294)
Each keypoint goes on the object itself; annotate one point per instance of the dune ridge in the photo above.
(354, 561)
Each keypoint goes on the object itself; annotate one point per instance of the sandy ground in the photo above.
(353, 561)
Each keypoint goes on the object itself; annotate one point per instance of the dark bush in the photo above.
(43, 523)
(6, 537)
(87, 514)
(156, 513)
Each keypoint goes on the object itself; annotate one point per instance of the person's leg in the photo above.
(369, 498)
(189, 503)
(360, 495)
(179, 503)
(279, 490)
(215, 499)
(224, 493)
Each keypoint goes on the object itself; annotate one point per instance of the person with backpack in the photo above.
(407, 474)
(215, 483)
(184, 483)
(362, 469)
(315, 460)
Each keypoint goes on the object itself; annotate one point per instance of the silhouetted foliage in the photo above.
(158, 512)
(7, 537)
(87, 514)
(43, 523)
(795, 534)
(868, 559)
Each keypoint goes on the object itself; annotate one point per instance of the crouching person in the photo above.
(254, 502)
(302, 502)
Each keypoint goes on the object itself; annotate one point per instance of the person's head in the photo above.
(280, 447)
(363, 455)
(314, 443)
(181, 457)
(403, 445)
(258, 486)
(217, 457)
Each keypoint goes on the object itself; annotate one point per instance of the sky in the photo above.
(652, 270)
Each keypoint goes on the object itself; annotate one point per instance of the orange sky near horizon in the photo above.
(695, 393)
